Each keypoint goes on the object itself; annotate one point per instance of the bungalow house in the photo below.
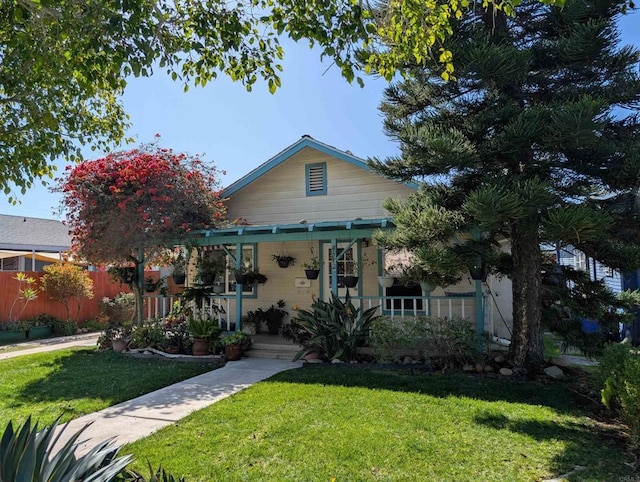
(28, 244)
(313, 200)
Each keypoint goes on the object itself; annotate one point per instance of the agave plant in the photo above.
(27, 454)
(333, 329)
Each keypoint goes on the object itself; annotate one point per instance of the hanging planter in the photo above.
(284, 259)
(350, 281)
(427, 287)
(386, 281)
(478, 272)
(312, 273)
(240, 278)
(179, 279)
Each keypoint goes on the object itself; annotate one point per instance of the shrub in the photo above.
(451, 341)
(118, 309)
(64, 282)
(619, 376)
(388, 338)
(150, 334)
(333, 329)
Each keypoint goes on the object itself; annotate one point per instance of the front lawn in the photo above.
(318, 423)
(76, 382)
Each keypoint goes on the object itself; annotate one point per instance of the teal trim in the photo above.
(307, 179)
(239, 295)
(334, 267)
(293, 149)
(359, 273)
(479, 311)
(321, 277)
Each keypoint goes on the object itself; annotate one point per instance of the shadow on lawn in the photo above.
(554, 395)
(103, 375)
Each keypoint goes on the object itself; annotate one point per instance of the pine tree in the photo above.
(541, 119)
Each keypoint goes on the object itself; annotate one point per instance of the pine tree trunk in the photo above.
(526, 341)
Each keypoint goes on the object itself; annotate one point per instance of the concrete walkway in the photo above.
(134, 419)
(137, 418)
(52, 344)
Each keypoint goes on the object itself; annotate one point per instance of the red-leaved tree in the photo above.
(127, 207)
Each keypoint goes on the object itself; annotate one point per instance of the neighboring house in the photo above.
(570, 256)
(314, 199)
(28, 244)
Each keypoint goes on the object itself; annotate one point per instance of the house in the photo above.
(313, 200)
(28, 244)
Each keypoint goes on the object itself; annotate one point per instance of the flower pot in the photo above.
(240, 278)
(312, 273)
(208, 278)
(172, 349)
(200, 346)
(283, 263)
(350, 281)
(427, 287)
(386, 281)
(179, 279)
(233, 352)
(478, 273)
(37, 332)
(10, 336)
(150, 287)
(218, 288)
(127, 275)
(119, 345)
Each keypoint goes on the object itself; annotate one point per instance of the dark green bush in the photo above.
(619, 376)
(333, 329)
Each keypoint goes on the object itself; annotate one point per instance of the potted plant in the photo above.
(248, 275)
(116, 336)
(312, 267)
(179, 267)
(12, 331)
(284, 261)
(202, 330)
(388, 276)
(150, 284)
(273, 317)
(251, 322)
(209, 267)
(233, 345)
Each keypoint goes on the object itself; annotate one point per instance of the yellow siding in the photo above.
(279, 196)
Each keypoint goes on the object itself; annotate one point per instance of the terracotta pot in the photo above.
(119, 345)
(200, 347)
(233, 352)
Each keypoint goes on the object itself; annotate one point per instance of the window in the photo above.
(580, 261)
(10, 264)
(608, 272)
(248, 252)
(346, 266)
(316, 179)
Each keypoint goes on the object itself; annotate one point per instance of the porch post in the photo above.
(239, 287)
(334, 266)
(479, 309)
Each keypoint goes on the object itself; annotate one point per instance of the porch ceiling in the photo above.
(341, 230)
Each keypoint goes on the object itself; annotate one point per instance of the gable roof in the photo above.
(304, 141)
(21, 233)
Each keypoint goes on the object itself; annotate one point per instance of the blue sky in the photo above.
(238, 130)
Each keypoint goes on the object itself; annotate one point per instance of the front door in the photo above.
(346, 267)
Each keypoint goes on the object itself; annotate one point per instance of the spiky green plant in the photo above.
(334, 329)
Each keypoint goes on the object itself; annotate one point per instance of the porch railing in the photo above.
(219, 306)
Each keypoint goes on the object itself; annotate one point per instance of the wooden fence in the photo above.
(103, 286)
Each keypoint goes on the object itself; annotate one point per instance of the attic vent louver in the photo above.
(316, 179)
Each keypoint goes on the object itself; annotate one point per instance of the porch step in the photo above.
(271, 350)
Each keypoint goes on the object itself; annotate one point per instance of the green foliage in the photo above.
(272, 317)
(333, 329)
(520, 147)
(64, 282)
(235, 338)
(203, 328)
(25, 454)
(150, 334)
(26, 292)
(449, 342)
(619, 376)
(118, 309)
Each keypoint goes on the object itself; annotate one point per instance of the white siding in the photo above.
(279, 196)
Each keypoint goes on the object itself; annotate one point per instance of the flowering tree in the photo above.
(128, 206)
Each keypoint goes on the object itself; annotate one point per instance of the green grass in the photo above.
(80, 381)
(317, 423)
